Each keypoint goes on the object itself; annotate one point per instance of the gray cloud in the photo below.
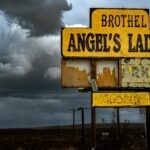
(30, 66)
(40, 16)
(53, 109)
(45, 110)
(28, 62)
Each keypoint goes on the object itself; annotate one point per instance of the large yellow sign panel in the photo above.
(121, 99)
(112, 33)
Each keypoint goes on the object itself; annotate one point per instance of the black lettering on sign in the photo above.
(142, 43)
(104, 20)
(117, 46)
(145, 71)
(136, 21)
(130, 21)
(147, 42)
(72, 45)
(121, 99)
(135, 72)
(81, 39)
(99, 41)
(90, 42)
(81, 42)
(106, 47)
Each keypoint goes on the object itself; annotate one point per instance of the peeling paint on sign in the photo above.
(135, 72)
(121, 99)
(107, 73)
(75, 73)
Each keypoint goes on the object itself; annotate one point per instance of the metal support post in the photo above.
(82, 128)
(148, 127)
(118, 124)
(82, 115)
(93, 109)
(93, 128)
(73, 124)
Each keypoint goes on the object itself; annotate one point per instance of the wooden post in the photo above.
(93, 128)
(82, 111)
(118, 124)
(93, 110)
(148, 127)
(73, 125)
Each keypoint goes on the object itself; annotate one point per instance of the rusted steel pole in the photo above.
(93, 129)
(148, 127)
(118, 124)
(82, 111)
(73, 124)
(82, 116)
(93, 110)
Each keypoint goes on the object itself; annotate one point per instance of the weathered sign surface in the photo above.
(135, 72)
(107, 73)
(112, 33)
(121, 99)
(77, 73)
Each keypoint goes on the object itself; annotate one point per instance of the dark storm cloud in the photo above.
(28, 63)
(30, 89)
(51, 109)
(40, 16)
(45, 110)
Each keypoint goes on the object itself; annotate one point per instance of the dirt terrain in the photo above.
(132, 137)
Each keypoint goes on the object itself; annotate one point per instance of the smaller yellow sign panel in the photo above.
(121, 99)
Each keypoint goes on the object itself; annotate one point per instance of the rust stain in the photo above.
(107, 78)
(73, 76)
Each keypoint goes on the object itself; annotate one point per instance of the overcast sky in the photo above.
(30, 89)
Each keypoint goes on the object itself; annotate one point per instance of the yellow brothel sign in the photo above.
(112, 33)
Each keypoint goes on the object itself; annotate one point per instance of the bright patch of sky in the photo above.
(81, 8)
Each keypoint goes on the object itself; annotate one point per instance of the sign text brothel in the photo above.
(113, 33)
